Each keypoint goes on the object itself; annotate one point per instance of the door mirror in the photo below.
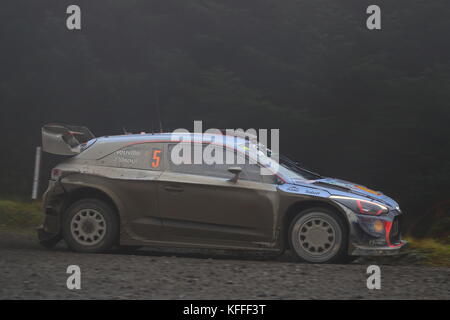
(236, 171)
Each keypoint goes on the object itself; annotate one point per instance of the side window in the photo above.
(271, 179)
(188, 165)
(249, 171)
(147, 156)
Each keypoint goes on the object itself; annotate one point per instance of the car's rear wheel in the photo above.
(90, 225)
(319, 235)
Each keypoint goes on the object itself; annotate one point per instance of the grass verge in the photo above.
(430, 251)
(20, 216)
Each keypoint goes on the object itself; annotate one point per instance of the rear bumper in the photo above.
(44, 235)
(379, 251)
(50, 229)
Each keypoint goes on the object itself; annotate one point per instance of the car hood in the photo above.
(345, 188)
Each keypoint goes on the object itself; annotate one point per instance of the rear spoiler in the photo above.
(64, 139)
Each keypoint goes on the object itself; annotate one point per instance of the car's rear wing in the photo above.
(64, 139)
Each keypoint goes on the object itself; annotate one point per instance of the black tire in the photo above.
(100, 241)
(322, 230)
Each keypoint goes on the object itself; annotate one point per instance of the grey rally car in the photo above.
(127, 190)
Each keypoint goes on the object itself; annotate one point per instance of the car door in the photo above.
(199, 204)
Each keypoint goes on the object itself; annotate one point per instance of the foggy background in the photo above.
(371, 107)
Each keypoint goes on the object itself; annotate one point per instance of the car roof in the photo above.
(102, 146)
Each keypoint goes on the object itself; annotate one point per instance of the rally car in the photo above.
(127, 190)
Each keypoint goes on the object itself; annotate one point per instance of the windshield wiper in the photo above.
(296, 166)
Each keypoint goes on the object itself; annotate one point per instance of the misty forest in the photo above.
(369, 106)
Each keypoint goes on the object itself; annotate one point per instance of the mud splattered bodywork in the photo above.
(159, 203)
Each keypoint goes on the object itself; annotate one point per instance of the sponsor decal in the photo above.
(368, 190)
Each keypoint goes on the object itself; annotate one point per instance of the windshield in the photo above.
(284, 166)
(293, 168)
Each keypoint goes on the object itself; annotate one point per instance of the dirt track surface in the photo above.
(28, 271)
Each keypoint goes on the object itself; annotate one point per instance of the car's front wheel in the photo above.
(319, 235)
(90, 225)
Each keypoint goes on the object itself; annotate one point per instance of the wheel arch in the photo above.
(84, 192)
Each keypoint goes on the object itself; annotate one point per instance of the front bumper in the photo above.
(360, 250)
(375, 235)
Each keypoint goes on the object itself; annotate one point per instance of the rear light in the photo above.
(56, 174)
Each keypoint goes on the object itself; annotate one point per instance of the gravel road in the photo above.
(28, 271)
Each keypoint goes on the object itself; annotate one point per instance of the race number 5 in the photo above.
(156, 158)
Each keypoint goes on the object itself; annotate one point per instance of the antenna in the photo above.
(157, 107)
(151, 122)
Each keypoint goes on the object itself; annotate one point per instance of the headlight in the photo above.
(361, 206)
